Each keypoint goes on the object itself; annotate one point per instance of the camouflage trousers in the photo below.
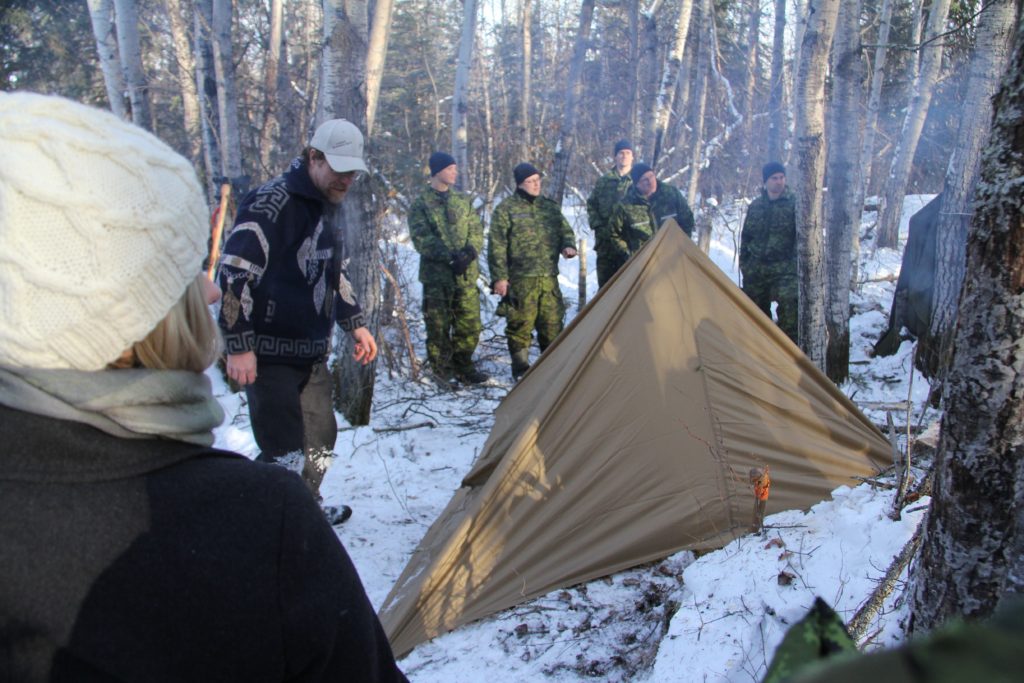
(607, 265)
(766, 284)
(451, 315)
(536, 305)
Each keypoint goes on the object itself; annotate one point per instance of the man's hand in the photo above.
(242, 367)
(366, 346)
(500, 287)
(569, 252)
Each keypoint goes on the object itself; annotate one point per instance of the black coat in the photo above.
(155, 560)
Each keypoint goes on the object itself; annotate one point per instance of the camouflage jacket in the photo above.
(769, 232)
(526, 238)
(441, 223)
(635, 219)
(609, 189)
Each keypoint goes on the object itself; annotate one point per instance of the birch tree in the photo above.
(809, 114)
(127, 21)
(776, 93)
(224, 68)
(376, 51)
(700, 95)
(991, 51)
(875, 98)
(844, 202)
(269, 128)
(186, 78)
(891, 207)
(574, 88)
(669, 79)
(206, 89)
(972, 558)
(101, 13)
(356, 220)
(526, 80)
(460, 103)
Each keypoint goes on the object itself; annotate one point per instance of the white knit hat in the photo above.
(102, 227)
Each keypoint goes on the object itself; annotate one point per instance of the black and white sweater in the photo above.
(282, 289)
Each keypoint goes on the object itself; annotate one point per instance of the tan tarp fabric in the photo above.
(631, 439)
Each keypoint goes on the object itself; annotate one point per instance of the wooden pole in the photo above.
(218, 230)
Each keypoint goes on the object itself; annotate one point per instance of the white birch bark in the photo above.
(269, 129)
(460, 104)
(875, 99)
(670, 79)
(357, 222)
(101, 14)
(704, 58)
(991, 52)
(206, 89)
(899, 172)
(127, 19)
(223, 64)
(972, 558)
(376, 52)
(777, 91)
(186, 78)
(574, 89)
(843, 204)
(809, 110)
(526, 80)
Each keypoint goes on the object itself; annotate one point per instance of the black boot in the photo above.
(520, 363)
(471, 375)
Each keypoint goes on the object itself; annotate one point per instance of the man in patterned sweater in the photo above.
(283, 293)
(528, 232)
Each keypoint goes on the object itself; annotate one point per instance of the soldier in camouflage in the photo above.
(610, 188)
(642, 212)
(768, 249)
(448, 235)
(528, 232)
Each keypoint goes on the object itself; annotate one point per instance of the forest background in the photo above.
(862, 98)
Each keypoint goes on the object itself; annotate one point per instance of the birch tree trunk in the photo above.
(206, 88)
(526, 81)
(973, 552)
(809, 103)
(891, 207)
(670, 79)
(777, 91)
(700, 97)
(356, 221)
(874, 100)
(186, 79)
(844, 203)
(753, 52)
(380, 32)
(101, 14)
(460, 104)
(224, 67)
(127, 20)
(574, 89)
(268, 132)
(991, 51)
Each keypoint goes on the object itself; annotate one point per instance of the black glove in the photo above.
(463, 259)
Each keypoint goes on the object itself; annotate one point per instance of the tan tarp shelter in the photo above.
(631, 439)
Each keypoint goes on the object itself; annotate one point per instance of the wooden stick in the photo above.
(218, 230)
(414, 366)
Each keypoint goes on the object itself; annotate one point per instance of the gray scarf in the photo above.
(130, 403)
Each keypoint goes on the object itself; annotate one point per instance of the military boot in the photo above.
(520, 363)
(466, 372)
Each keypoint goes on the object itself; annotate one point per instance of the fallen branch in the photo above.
(858, 625)
(414, 366)
(405, 428)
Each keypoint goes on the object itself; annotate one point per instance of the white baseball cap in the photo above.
(342, 145)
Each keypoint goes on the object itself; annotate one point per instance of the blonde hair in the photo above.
(186, 339)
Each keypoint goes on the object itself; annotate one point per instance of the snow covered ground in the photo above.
(714, 618)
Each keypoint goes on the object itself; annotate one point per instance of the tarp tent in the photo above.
(631, 439)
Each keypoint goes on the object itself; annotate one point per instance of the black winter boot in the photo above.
(520, 363)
